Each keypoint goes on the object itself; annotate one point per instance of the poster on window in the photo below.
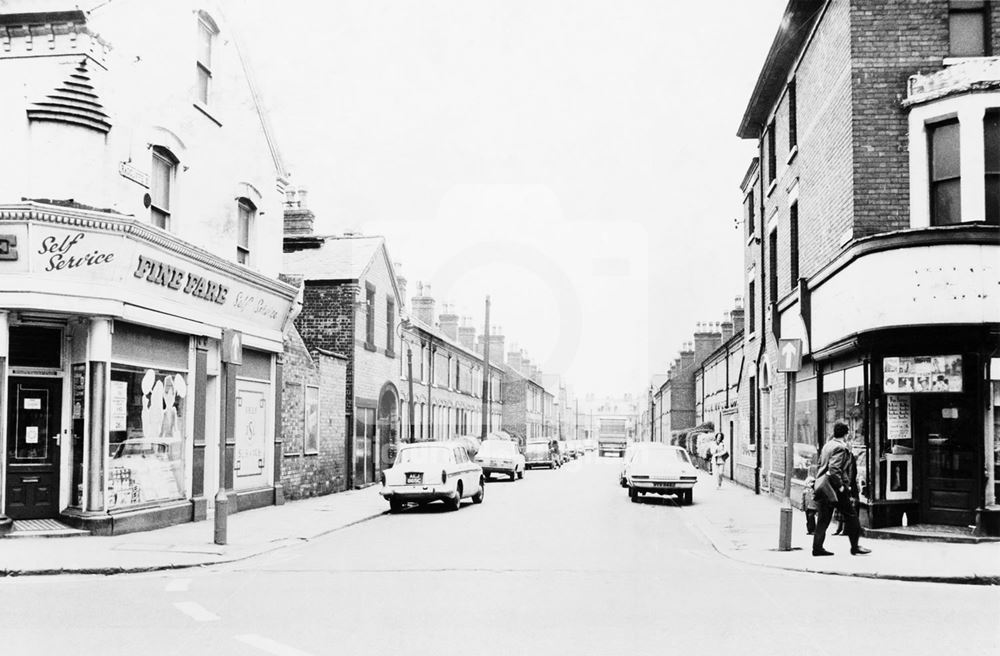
(897, 415)
(899, 477)
(251, 435)
(118, 400)
(935, 373)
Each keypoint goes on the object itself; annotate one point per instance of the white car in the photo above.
(661, 469)
(500, 457)
(433, 471)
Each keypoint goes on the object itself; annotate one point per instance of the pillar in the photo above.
(99, 352)
(5, 522)
(199, 510)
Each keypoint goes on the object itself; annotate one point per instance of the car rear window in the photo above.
(424, 455)
(538, 448)
(660, 456)
(497, 447)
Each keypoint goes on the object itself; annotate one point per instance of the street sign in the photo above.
(789, 355)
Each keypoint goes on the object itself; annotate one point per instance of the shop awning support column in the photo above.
(6, 523)
(99, 352)
(232, 357)
(199, 503)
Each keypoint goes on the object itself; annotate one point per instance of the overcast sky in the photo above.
(576, 160)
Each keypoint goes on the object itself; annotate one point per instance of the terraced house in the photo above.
(872, 235)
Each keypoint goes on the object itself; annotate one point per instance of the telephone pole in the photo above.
(486, 372)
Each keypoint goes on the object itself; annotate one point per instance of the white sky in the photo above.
(575, 160)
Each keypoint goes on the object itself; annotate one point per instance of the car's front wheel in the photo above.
(520, 473)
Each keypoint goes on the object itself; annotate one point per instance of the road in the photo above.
(560, 562)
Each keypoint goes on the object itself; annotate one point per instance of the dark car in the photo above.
(541, 454)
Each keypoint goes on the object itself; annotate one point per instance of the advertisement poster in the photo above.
(899, 474)
(251, 424)
(79, 390)
(118, 400)
(897, 414)
(936, 373)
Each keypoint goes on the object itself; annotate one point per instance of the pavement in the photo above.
(740, 525)
(743, 526)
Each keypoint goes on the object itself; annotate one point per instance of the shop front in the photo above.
(113, 395)
(920, 406)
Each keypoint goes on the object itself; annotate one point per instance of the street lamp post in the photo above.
(401, 331)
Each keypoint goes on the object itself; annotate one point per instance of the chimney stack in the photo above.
(467, 334)
(726, 328)
(706, 339)
(737, 315)
(496, 344)
(299, 218)
(514, 360)
(448, 321)
(423, 305)
(400, 282)
(687, 355)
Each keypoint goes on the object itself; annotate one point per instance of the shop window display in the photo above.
(844, 400)
(146, 437)
(805, 445)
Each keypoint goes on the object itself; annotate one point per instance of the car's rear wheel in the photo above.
(633, 494)
(481, 494)
(687, 498)
(456, 503)
(520, 473)
(395, 505)
(513, 475)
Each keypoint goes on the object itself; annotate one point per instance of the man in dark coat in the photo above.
(838, 461)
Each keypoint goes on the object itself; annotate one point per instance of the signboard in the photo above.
(789, 355)
(897, 415)
(251, 432)
(112, 265)
(118, 402)
(8, 247)
(921, 374)
(132, 172)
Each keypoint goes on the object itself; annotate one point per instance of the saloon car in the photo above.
(500, 457)
(433, 471)
(660, 469)
(541, 454)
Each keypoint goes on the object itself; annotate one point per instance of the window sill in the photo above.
(389, 353)
(208, 114)
(370, 347)
(292, 455)
(311, 453)
(792, 153)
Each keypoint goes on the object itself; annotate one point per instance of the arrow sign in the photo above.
(789, 355)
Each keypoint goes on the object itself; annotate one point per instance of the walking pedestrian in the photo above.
(720, 454)
(837, 487)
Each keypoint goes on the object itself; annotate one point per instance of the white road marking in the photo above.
(178, 585)
(195, 611)
(270, 646)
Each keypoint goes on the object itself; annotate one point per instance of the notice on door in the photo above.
(118, 399)
(897, 415)
(32, 404)
(31, 434)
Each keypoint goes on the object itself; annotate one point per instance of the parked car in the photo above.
(661, 469)
(500, 457)
(590, 445)
(433, 471)
(541, 454)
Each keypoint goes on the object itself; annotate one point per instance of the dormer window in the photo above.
(161, 187)
(207, 32)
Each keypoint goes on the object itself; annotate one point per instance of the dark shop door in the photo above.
(33, 429)
(945, 427)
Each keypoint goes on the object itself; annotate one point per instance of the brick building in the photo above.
(447, 374)
(141, 314)
(350, 307)
(525, 401)
(674, 401)
(872, 237)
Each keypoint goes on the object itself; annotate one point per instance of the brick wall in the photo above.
(310, 473)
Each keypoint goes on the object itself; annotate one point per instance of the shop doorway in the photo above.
(388, 426)
(946, 437)
(33, 435)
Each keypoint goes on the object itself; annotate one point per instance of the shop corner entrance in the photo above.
(33, 435)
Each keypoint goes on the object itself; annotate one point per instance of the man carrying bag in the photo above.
(836, 487)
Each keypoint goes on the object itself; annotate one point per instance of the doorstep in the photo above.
(43, 528)
(928, 533)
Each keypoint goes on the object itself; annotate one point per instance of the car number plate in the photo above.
(663, 484)
(414, 478)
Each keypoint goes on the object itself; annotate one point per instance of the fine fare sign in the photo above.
(117, 260)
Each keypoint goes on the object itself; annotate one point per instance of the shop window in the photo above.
(991, 146)
(945, 174)
(844, 400)
(805, 442)
(247, 213)
(207, 31)
(968, 28)
(311, 419)
(161, 187)
(146, 436)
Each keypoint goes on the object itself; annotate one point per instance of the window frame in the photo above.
(933, 184)
(980, 8)
(793, 244)
(205, 27)
(243, 251)
(772, 159)
(751, 297)
(772, 265)
(369, 316)
(164, 155)
(390, 325)
(793, 138)
(988, 113)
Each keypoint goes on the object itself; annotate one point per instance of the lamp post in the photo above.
(401, 329)
(652, 419)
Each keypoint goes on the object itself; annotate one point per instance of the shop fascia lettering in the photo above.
(61, 257)
(172, 277)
